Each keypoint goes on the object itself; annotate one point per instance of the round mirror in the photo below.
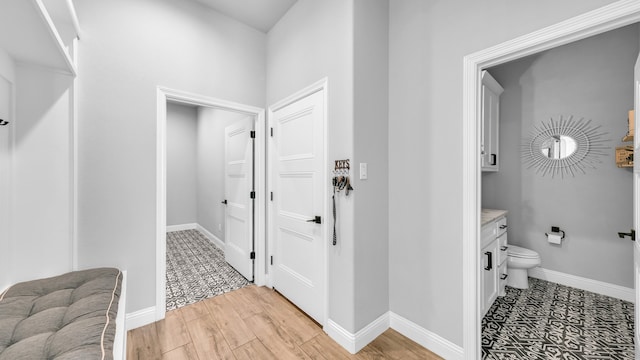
(558, 147)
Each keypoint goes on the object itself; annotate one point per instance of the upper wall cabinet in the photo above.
(40, 32)
(490, 123)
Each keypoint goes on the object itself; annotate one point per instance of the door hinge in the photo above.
(252, 256)
(252, 194)
(271, 259)
(272, 196)
(271, 132)
(253, 134)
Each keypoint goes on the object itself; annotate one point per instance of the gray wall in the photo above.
(195, 166)
(7, 79)
(345, 41)
(128, 49)
(42, 174)
(427, 42)
(592, 78)
(210, 168)
(371, 110)
(182, 168)
(312, 41)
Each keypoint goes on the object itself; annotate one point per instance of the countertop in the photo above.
(489, 215)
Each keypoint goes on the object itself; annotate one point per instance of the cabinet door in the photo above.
(490, 93)
(489, 275)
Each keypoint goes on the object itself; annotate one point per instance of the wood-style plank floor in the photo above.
(253, 323)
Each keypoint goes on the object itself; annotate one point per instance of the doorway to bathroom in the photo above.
(550, 101)
(517, 51)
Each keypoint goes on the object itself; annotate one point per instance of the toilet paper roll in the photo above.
(554, 237)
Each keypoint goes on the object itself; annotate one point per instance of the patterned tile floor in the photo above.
(196, 269)
(552, 321)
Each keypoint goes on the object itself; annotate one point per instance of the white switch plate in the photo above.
(363, 171)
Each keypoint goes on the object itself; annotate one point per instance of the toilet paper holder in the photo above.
(556, 229)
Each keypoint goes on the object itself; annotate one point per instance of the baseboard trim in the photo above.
(181, 227)
(214, 239)
(140, 318)
(598, 287)
(426, 338)
(355, 342)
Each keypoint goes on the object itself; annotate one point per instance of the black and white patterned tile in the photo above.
(197, 270)
(552, 321)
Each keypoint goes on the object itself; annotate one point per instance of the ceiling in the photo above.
(259, 14)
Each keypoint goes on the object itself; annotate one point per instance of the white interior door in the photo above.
(239, 182)
(297, 178)
(5, 185)
(636, 204)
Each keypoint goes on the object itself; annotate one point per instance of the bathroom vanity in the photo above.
(493, 256)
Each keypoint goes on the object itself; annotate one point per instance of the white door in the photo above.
(298, 178)
(5, 171)
(636, 205)
(238, 235)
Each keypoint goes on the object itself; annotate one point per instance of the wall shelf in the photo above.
(28, 34)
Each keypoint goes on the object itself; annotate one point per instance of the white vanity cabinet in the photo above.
(490, 122)
(493, 255)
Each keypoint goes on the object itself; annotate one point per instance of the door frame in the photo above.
(321, 85)
(610, 17)
(164, 95)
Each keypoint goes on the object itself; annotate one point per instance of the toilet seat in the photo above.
(520, 252)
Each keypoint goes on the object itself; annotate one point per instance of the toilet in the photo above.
(519, 261)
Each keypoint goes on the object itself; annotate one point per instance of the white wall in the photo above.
(42, 175)
(592, 78)
(182, 166)
(211, 162)
(371, 197)
(312, 41)
(428, 40)
(7, 78)
(129, 47)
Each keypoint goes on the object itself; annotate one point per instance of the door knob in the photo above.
(224, 201)
(631, 234)
(317, 220)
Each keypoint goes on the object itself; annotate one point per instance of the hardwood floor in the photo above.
(253, 323)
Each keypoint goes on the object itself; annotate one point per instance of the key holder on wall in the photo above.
(341, 181)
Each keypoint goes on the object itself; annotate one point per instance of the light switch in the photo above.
(363, 171)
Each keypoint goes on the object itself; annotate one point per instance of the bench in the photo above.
(71, 316)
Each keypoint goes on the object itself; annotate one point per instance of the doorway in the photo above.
(604, 19)
(210, 158)
(591, 264)
(254, 215)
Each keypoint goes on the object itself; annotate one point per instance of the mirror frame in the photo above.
(590, 146)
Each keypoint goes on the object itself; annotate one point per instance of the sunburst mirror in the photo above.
(564, 146)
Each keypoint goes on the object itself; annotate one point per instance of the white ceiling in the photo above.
(259, 14)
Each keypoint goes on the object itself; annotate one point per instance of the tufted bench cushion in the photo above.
(71, 316)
